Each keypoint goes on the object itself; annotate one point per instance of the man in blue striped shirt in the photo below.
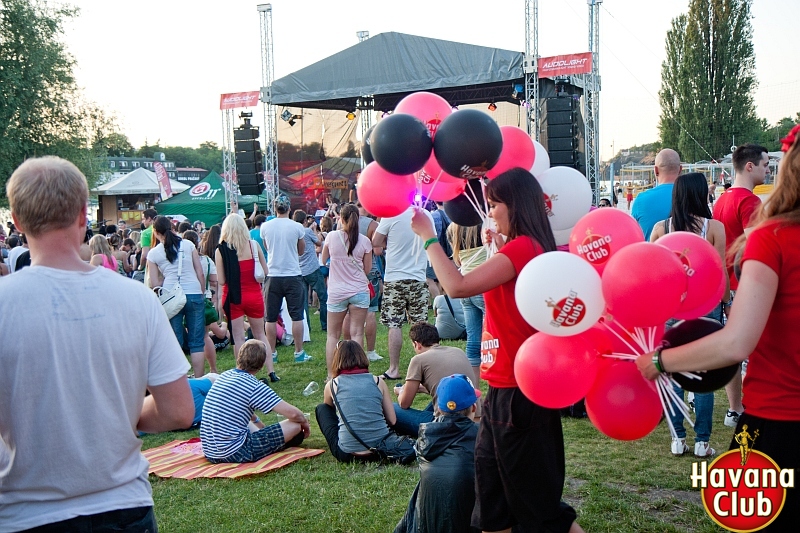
(230, 406)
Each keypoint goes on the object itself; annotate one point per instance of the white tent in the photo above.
(140, 181)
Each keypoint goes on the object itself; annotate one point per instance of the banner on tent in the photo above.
(163, 180)
(234, 100)
(564, 65)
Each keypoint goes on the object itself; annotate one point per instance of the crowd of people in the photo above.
(243, 278)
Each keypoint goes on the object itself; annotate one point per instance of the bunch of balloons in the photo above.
(427, 149)
(602, 304)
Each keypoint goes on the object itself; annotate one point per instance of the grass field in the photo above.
(615, 486)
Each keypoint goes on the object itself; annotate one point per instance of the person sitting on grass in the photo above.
(230, 405)
(443, 499)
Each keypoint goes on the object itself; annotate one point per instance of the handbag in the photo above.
(392, 448)
(210, 312)
(172, 301)
(258, 270)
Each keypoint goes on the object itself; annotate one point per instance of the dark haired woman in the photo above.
(690, 213)
(519, 455)
(174, 261)
(348, 287)
(362, 398)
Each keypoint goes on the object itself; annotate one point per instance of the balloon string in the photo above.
(620, 337)
(477, 203)
(473, 203)
(667, 383)
(433, 187)
(485, 200)
(617, 355)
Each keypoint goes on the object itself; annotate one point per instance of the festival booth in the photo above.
(205, 202)
(127, 196)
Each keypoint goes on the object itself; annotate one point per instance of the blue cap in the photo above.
(455, 393)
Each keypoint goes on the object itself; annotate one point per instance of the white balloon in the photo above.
(560, 294)
(562, 236)
(567, 196)
(541, 161)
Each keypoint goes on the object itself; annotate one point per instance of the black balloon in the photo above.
(468, 143)
(401, 144)
(366, 148)
(460, 209)
(691, 330)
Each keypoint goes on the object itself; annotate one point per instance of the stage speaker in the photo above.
(561, 132)
(245, 134)
(250, 183)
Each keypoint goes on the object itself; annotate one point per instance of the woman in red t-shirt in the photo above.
(762, 326)
(519, 454)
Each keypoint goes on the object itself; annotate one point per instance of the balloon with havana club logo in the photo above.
(600, 234)
(567, 196)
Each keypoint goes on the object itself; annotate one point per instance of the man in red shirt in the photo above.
(735, 209)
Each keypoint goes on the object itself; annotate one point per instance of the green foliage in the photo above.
(770, 136)
(207, 156)
(708, 79)
(42, 111)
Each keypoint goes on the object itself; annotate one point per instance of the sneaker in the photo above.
(274, 357)
(273, 377)
(302, 357)
(702, 450)
(373, 356)
(731, 418)
(679, 447)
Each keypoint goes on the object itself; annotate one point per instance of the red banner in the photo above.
(163, 180)
(565, 65)
(234, 100)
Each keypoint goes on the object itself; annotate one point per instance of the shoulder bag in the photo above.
(173, 300)
(210, 312)
(259, 270)
(392, 448)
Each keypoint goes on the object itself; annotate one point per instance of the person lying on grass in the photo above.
(230, 405)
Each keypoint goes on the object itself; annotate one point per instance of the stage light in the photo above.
(518, 91)
(492, 107)
(291, 121)
(286, 115)
(351, 115)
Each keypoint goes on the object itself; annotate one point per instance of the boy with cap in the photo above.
(445, 495)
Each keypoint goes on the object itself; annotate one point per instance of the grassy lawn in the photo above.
(615, 486)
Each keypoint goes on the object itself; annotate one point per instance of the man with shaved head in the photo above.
(654, 205)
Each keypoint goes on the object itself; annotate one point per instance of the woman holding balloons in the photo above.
(519, 455)
(763, 327)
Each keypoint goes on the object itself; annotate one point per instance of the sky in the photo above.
(160, 66)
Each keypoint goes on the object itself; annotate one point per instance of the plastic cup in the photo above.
(311, 388)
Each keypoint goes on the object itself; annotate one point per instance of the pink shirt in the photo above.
(346, 278)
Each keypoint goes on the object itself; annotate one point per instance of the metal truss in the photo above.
(592, 101)
(530, 67)
(271, 183)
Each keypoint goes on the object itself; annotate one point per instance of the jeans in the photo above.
(474, 309)
(328, 422)
(194, 316)
(408, 420)
(316, 281)
(135, 519)
(704, 410)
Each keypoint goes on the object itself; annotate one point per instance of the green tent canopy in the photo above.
(205, 201)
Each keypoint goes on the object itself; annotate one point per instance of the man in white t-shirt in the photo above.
(405, 292)
(71, 394)
(284, 240)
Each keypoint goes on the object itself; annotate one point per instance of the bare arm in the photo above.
(156, 279)
(326, 254)
(198, 268)
(388, 407)
(96, 260)
(261, 259)
(371, 229)
(407, 393)
(145, 251)
(717, 238)
(378, 243)
(294, 414)
(658, 231)
(301, 246)
(327, 397)
(169, 407)
(220, 268)
(367, 260)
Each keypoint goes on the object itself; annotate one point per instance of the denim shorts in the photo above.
(258, 445)
(360, 299)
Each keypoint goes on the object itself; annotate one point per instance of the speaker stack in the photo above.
(561, 132)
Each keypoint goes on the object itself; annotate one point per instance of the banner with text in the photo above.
(163, 180)
(234, 100)
(565, 65)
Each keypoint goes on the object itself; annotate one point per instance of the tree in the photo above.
(42, 111)
(114, 144)
(708, 79)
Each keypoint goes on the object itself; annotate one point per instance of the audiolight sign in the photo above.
(743, 490)
(565, 65)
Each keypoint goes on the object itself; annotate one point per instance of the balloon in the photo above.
(541, 160)
(442, 191)
(373, 184)
(518, 151)
(643, 284)
(601, 233)
(627, 344)
(366, 148)
(562, 236)
(567, 196)
(622, 404)
(599, 338)
(400, 144)
(691, 330)
(429, 108)
(555, 372)
(431, 170)
(559, 294)
(461, 211)
(707, 306)
(468, 143)
(701, 263)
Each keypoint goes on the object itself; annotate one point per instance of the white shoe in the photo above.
(373, 356)
(679, 447)
(703, 450)
(731, 418)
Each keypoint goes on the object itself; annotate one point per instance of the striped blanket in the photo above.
(185, 460)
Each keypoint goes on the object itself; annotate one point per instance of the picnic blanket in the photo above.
(184, 459)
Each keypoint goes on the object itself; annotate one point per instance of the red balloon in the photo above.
(601, 233)
(518, 151)
(707, 306)
(599, 338)
(624, 343)
(430, 108)
(555, 372)
(444, 191)
(643, 284)
(384, 194)
(622, 404)
(701, 263)
(432, 170)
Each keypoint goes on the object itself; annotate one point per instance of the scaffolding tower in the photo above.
(365, 105)
(271, 187)
(591, 99)
(531, 68)
(229, 163)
